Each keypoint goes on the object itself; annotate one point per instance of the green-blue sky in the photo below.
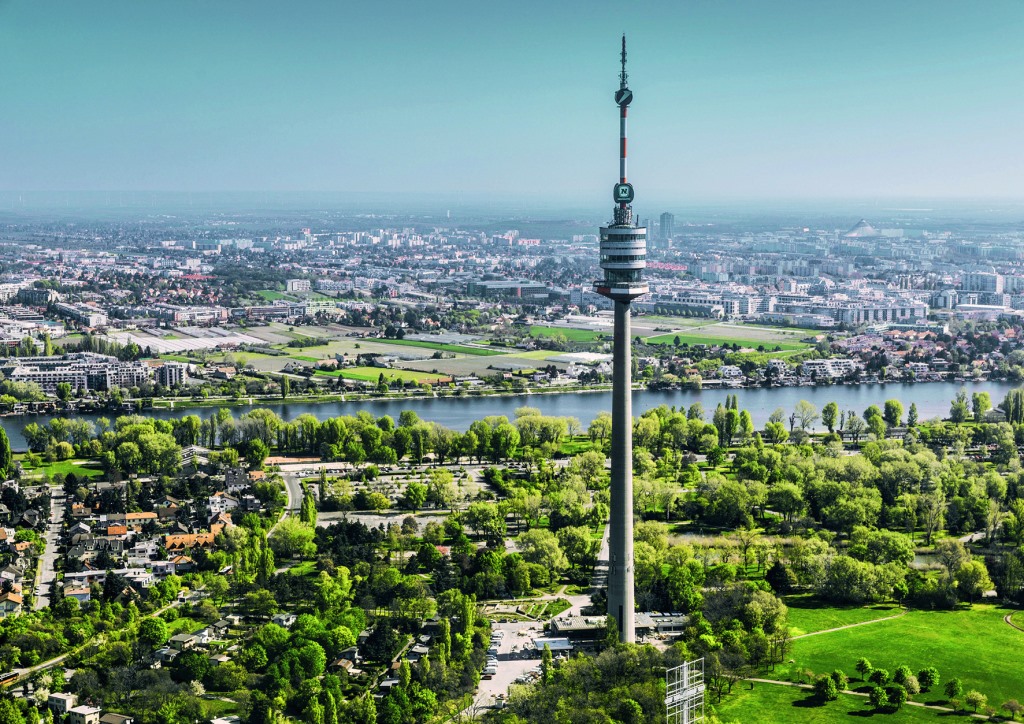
(734, 99)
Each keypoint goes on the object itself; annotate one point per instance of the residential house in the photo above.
(284, 620)
(112, 718)
(221, 502)
(10, 604)
(84, 715)
(60, 704)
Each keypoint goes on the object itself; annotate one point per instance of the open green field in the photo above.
(272, 296)
(974, 645)
(776, 704)
(743, 336)
(372, 374)
(571, 334)
(80, 467)
(453, 348)
(807, 614)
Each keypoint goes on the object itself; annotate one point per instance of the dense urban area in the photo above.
(178, 543)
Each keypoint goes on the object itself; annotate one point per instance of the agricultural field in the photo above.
(372, 374)
(744, 335)
(572, 334)
(440, 346)
(778, 704)
(974, 645)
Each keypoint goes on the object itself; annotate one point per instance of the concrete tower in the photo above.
(623, 258)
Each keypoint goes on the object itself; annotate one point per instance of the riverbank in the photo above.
(459, 412)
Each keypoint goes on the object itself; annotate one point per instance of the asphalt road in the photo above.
(47, 576)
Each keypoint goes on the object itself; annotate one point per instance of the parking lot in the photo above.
(513, 659)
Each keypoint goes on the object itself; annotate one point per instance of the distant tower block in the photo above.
(668, 222)
(623, 258)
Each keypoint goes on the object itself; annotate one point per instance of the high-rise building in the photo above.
(668, 222)
(623, 259)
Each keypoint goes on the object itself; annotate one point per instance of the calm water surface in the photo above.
(932, 399)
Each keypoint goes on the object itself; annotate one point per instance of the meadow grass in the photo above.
(774, 704)
(808, 614)
(973, 644)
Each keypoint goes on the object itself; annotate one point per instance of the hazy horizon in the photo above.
(736, 103)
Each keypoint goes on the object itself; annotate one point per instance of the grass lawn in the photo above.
(183, 625)
(571, 334)
(304, 358)
(807, 614)
(216, 708)
(577, 446)
(272, 296)
(306, 568)
(373, 374)
(774, 704)
(974, 645)
(453, 348)
(80, 467)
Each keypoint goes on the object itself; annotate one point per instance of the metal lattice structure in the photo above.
(684, 693)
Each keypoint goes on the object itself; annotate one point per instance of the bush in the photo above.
(825, 688)
(879, 677)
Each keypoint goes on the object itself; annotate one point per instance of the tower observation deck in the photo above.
(623, 243)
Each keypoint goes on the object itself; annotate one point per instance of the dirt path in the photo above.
(1009, 621)
(851, 625)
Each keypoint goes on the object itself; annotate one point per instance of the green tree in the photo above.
(256, 452)
(541, 546)
(286, 386)
(307, 513)
(64, 391)
(928, 678)
(897, 695)
(975, 699)
(893, 414)
(829, 416)
(290, 537)
(5, 455)
(972, 580)
(912, 415)
(415, 495)
(959, 411)
(153, 631)
(806, 414)
(879, 699)
(953, 688)
(981, 403)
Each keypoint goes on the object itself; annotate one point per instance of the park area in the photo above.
(973, 644)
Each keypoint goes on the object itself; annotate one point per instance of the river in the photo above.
(932, 399)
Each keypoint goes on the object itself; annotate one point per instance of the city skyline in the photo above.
(741, 101)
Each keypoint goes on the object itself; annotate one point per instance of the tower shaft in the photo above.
(620, 535)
